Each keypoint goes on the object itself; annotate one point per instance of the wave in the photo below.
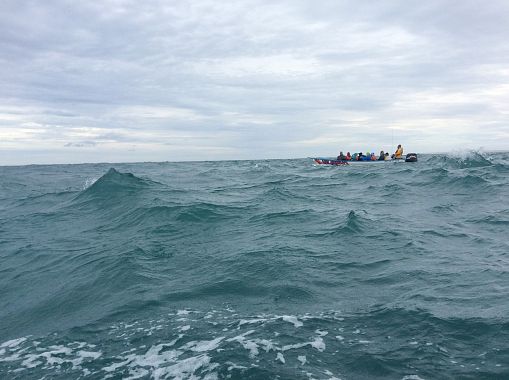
(113, 196)
(461, 160)
(227, 343)
(289, 216)
(114, 184)
(38, 204)
(351, 225)
(467, 181)
(353, 222)
(208, 212)
(443, 176)
(499, 218)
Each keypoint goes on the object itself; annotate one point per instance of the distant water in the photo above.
(276, 269)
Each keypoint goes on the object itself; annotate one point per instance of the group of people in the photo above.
(384, 156)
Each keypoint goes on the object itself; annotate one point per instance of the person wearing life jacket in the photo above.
(373, 157)
(399, 153)
(382, 156)
(387, 157)
(341, 157)
(348, 156)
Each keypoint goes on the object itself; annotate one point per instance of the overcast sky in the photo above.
(116, 81)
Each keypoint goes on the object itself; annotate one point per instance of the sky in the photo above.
(129, 81)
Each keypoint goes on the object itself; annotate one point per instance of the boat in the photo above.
(410, 157)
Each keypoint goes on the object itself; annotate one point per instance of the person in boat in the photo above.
(387, 157)
(367, 157)
(354, 156)
(341, 156)
(373, 157)
(399, 153)
(382, 156)
(348, 156)
(359, 156)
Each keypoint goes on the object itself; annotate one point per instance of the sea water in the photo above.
(275, 269)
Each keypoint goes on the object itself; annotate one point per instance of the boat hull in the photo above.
(325, 161)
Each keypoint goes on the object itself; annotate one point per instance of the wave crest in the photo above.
(462, 159)
(114, 185)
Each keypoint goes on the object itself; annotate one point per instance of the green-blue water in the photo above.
(256, 270)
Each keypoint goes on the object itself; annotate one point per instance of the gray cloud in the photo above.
(81, 144)
(250, 79)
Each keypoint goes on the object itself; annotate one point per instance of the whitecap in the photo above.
(184, 368)
(251, 321)
(319, 344)
(292, 319)
(13, 342)
(204, 345)
(247, 344)
(232, 366)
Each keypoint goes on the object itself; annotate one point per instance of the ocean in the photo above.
(268, 269)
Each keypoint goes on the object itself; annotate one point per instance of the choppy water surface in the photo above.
(256, 270)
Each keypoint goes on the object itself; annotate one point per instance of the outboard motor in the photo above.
(411, 157)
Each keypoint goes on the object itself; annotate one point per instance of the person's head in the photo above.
(381, 153)
(341, 153)
(387, 154)
(347, 153)
(399, 146)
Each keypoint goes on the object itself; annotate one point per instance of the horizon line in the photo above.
(217, 160)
